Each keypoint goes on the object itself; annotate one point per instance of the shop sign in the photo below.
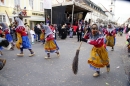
(37, 14)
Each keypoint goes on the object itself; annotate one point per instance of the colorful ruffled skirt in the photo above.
(9, 38)
(42, 36)
(110, 41)
(19, 41)
(51, 46)
(98, 58)
(26, 43)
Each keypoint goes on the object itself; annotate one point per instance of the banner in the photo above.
(47, 4)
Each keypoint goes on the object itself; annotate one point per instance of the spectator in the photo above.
(37, 32)
(79, 32)
(71, 32)
(27, 29)
(32, 33)
(59, 30)
(63, 32)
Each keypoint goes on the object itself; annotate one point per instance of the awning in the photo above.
(78, 7)
(22, 16)
(61, 10)
(36, 18)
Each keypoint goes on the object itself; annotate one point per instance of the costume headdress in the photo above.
(96, 25)
(19, 20)
(110, 29)
(47, 29)
(97, 35)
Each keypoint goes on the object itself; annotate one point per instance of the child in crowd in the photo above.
(32, 33)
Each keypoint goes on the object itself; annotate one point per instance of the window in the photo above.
(41, 5)
(31, 3)
(17, 3)
(2, 18)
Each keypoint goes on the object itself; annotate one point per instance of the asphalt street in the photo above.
(57, 71)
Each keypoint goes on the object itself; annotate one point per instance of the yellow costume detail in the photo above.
(50, 45)
(110, 41)
(42, 36)
(19, 40)
(99, 57)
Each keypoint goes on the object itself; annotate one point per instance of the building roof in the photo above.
(78, 7)
(105, 9)
(94, 6)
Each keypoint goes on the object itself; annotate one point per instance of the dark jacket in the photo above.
(63, 33)
(79, 31)
(37, 30)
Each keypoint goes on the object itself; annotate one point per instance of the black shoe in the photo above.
(112, 49)
(108, 68)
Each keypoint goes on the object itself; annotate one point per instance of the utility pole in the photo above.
(73, 12)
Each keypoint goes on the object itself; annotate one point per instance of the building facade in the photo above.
(33, 9)
(127, 21)
(57, 1)
(108, 13)
(97, 14)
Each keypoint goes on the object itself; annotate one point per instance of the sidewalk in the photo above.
(125, 58)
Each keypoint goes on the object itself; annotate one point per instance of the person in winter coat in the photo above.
(38, 32)
(79, 32)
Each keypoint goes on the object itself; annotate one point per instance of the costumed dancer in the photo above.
(3, 44)
(23, 40)
(2, 36)
(53, 30)
(1, 32)
(9, 37)
(50, 42)
(99, 55)
(110, 36)
(42, 36)
(128, 43)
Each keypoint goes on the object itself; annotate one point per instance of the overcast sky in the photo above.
(122, 8)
